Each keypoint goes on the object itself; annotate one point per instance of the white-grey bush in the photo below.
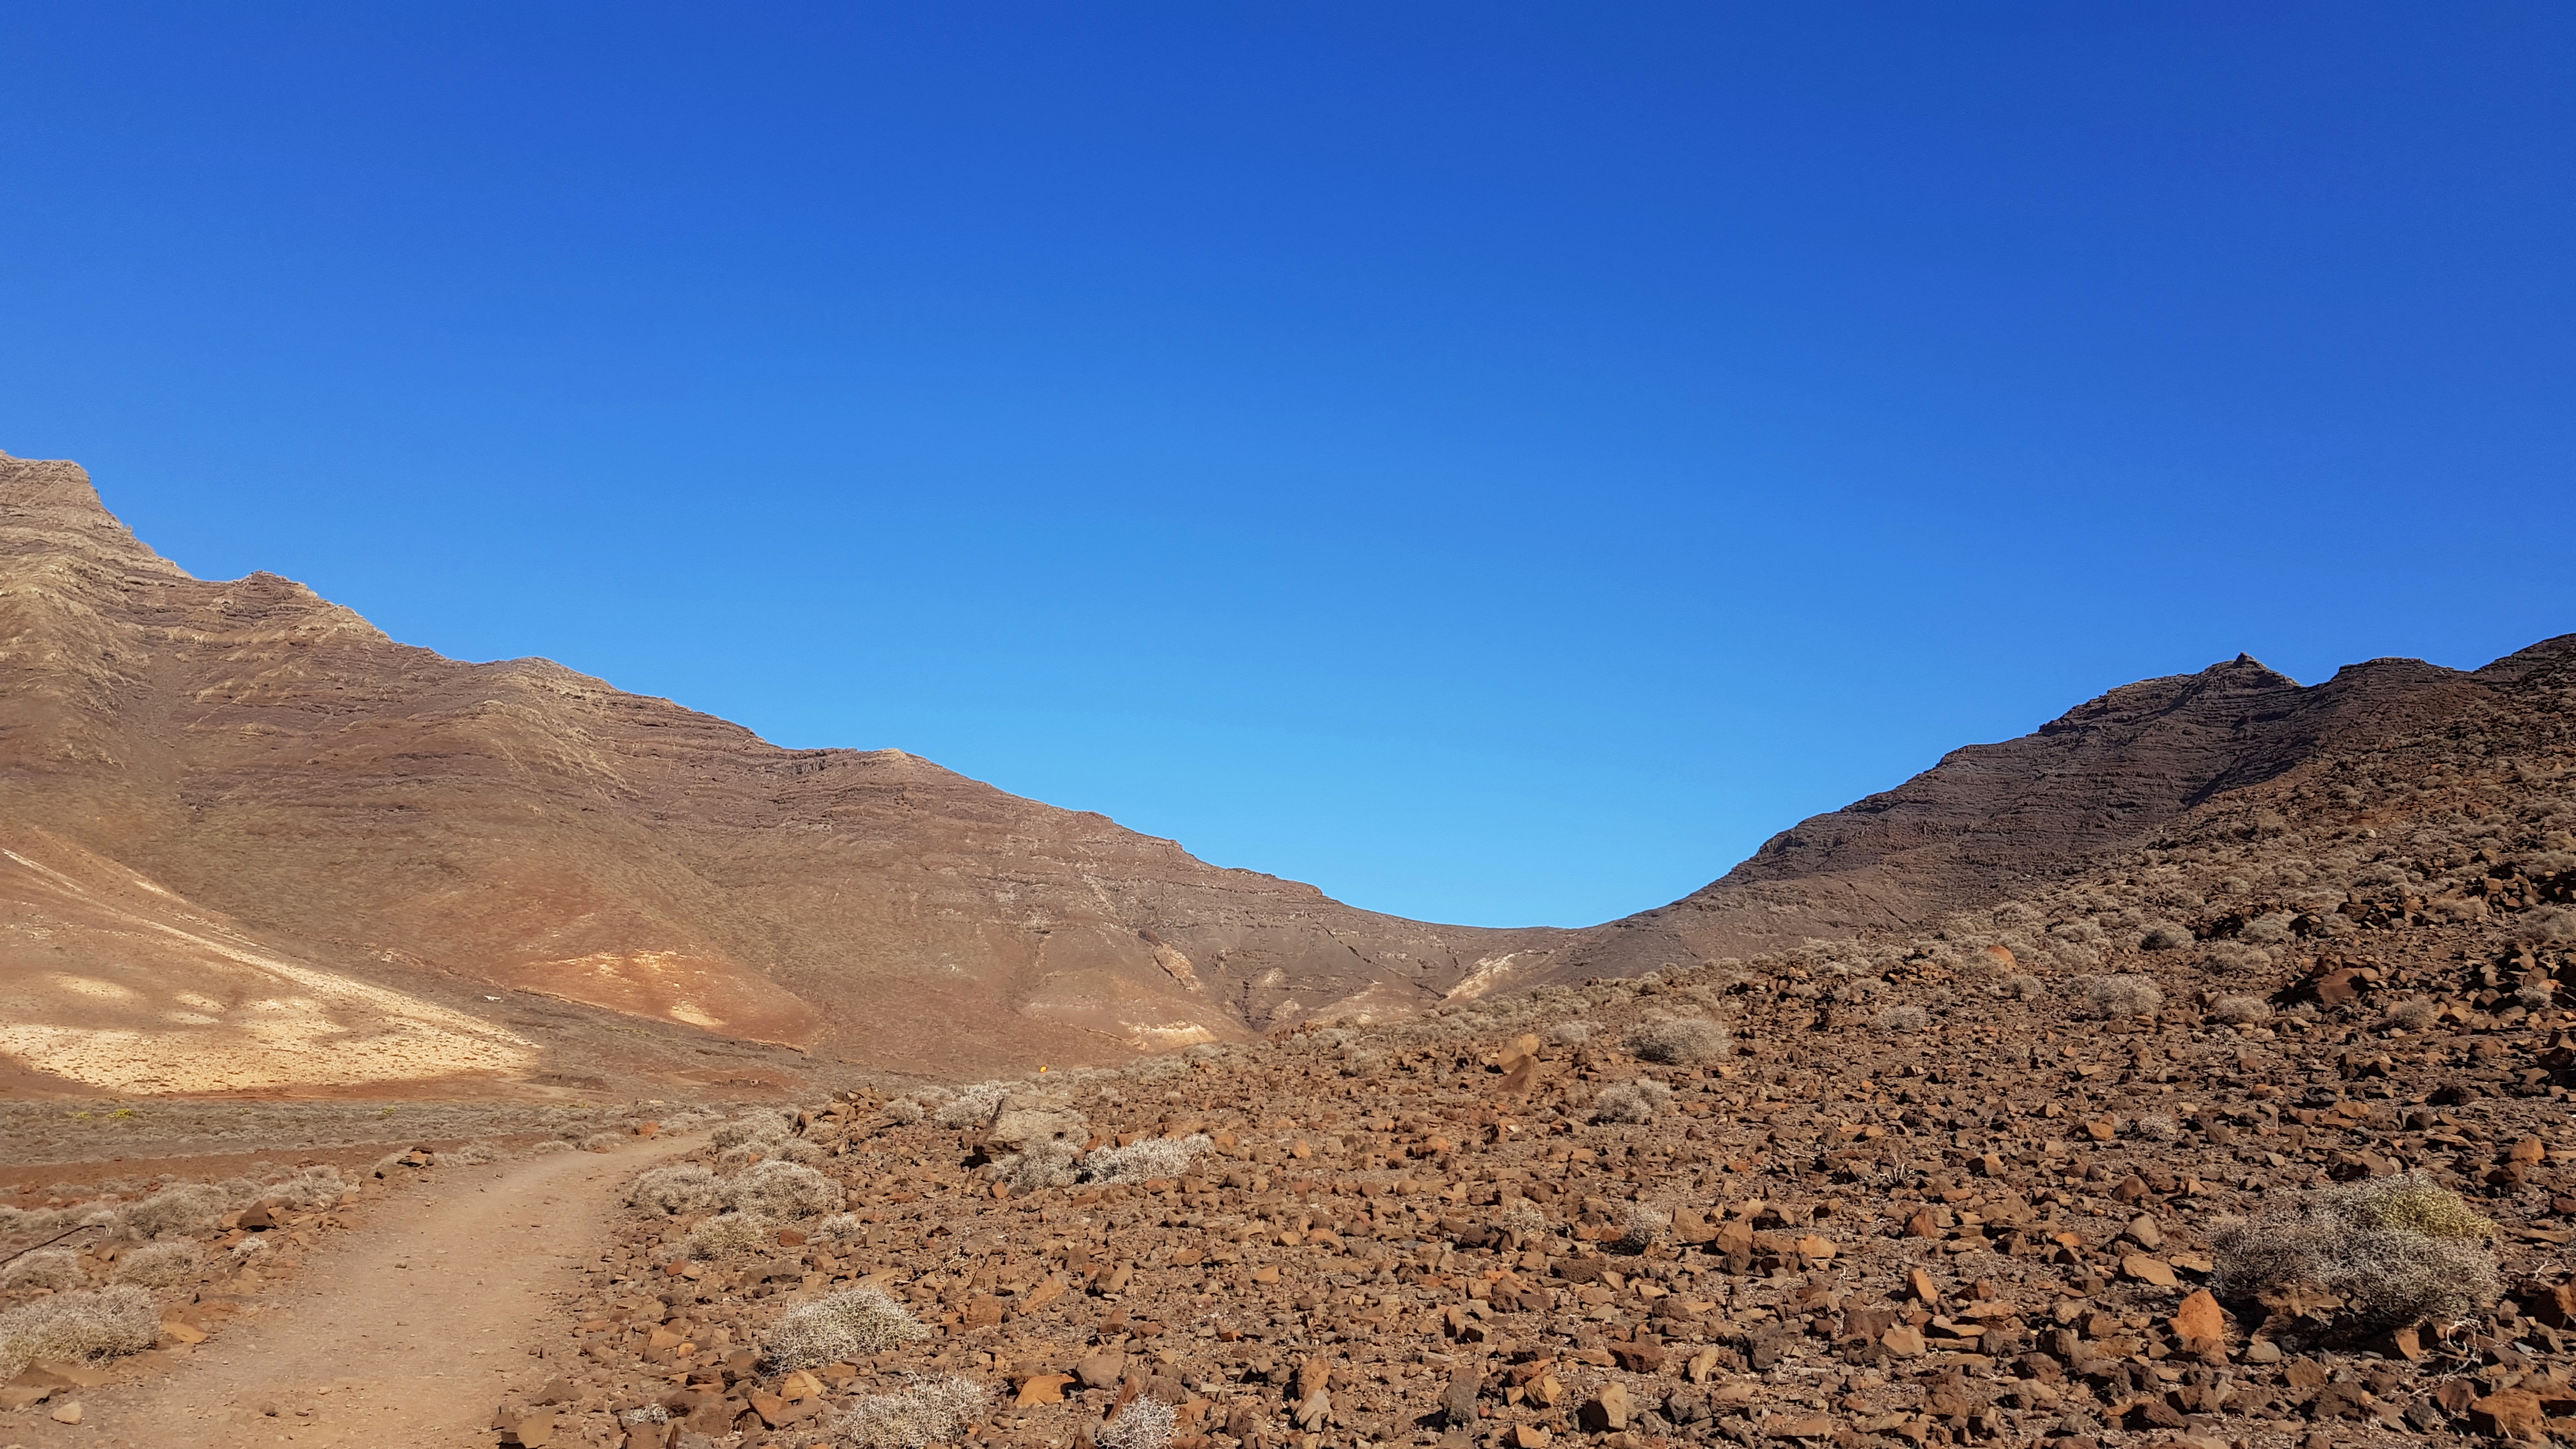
(2240, 1010)
(974, 1106)
(1634, 1101)
(1679, 1040)
(2397, 1250)
(162, 1265)
(1145, 1159)
(781, 1189)
(189, 1207)
(935, 1412)
(77, 1327)
(1898, 1018)
(2120, 996)
(1145, 1423)
(843, 1328)
(674, 1191)
(730, 1235)
(45, 1268)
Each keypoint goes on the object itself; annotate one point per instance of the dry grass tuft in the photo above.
(1902, 1019)
(843, 1328)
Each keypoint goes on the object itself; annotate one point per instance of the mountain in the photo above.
(252, 844)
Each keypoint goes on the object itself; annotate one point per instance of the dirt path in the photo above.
(406, 1332)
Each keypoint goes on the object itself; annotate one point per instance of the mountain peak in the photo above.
(48, 505)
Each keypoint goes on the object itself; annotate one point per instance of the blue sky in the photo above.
(1497, 462)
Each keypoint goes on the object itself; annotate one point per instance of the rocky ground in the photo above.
(1975, 1185)
(2257, 1134)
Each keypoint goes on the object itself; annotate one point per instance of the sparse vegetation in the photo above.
(1646, 1226)
(54, 1268)
(675, 1191)
(77, 1327)
(2240, 1010)
(2414, 1014)
(1145, 1159)
(1896, 1017)
(845, 1327)
(731, 1234)
(162, 1265)
(1679, 1040)
(780, 1189)
(2396, 1251)
(2120, 996)
(937, 1411)
(1635, 1101)
(1145, 1423)
(1570, 1033)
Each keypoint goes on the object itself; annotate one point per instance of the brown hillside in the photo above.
(272, 849)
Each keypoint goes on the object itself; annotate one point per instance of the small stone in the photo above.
(71, 1413)
(2152, 1271)
(1920, 1284)
(2147, 1233)
(2506, 1413)
(1039, 1389)
(2528, 1151)
(1101, 1370)
(1902, 1341)
(1608, 1409)
(2198, 1320)
(1528, 1436)
(1459, 1403)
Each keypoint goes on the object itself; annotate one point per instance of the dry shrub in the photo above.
(2120, 996)
(841, 1230)
(2414, 1014)
(2536, 995)
(77, 1327)
(1570, 1033)
(1646, 1226)
(162, 1265)
(1145, 1159)
(1524, 1219)
(973, 1106)
(1047, 1163)
(674, 1191)
(843, 1328)
(45, 1268)
(1678, 1040)
(475, 1154)
(728, 1235)
(549, 1145)
(2396, 1251)
(936, 1412)
(2240, 1010)
(1901, 1018)
(2156, 1127)
(311, 1188)
(903, 1111)
(2548, 925)
(1145, 1423)
(2238, 956)
(189, 1207)
(2022, 986)
(1634, 1101)
(2166, 936)
(781, 1189)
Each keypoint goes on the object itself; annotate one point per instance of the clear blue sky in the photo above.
(1497, 462)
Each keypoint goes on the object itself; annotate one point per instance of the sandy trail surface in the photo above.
(407, 1330)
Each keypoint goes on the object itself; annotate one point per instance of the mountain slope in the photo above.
(618, 887)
